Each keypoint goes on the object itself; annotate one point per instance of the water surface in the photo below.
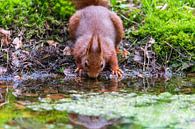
(55, 102)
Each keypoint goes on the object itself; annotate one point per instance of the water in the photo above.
(53, 102)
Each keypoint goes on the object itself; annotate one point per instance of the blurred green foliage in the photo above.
(37, 19)
(21, 12)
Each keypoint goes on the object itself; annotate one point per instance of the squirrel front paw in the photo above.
(79, 71)
(118, 72)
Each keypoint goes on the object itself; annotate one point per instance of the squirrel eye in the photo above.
(102, 65)
(86, 64)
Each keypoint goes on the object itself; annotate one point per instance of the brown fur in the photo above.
(73, 24)
(119, 27)
(97, 33)
(84, 3)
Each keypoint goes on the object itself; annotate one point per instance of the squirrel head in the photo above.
(94, 62)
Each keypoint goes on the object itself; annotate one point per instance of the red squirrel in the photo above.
(97, 32)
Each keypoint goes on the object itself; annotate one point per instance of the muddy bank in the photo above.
(17, 58)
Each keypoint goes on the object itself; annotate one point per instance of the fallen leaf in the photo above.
(138, 57)
(3, 70)
(52, 43)
(22, 104)
(11, 123)
(30, 94)
(17, 42)
(67, 51)
(5, 86)
(140, 75)
(5, 37)
(20, 57)
(17, 93)
(5, 32)
(48, 90)
(151, 41)
(150, 54)
(190, 74)
(55, 96)
(15, 60)
(19, 106)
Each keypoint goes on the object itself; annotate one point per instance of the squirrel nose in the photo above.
(93, 75)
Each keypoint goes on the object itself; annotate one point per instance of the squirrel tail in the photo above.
(84, 3)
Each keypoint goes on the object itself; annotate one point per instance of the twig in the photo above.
(170, 54)
(128, 19)
(144, 66)
(2, 104)
(6, 102)
(175, 49)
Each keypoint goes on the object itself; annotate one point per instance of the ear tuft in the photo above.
(99, 49)
(90, 45)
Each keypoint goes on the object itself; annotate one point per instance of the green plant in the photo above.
(170, 23)
(61, 9)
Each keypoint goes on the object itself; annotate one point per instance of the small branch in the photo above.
(2, 104)
(175, 49)
(128, 19)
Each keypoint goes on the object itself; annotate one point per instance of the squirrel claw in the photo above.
(118, 72)
(79, 71)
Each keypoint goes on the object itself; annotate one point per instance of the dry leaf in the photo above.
(52, 43)
(140, 75)
(15, 60)
(138, 59)
(19, 58)
(24, 103)
(3, 70)
(49, 90)
(4, 87)
(17, 42)
(5, 37)
(19, 106)
(67, 51)
(190, 74)
(56, 96)
(150, 42)
(30, 94)
(5, 32)
(150, 55)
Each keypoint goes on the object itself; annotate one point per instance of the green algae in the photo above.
(17, 119)
(15, 116)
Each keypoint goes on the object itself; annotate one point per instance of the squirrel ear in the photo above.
(90, 45)
(99, 49)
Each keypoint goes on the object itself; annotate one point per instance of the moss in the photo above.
(27, 118)
(33, 11)
(172, 28)
(33, 17)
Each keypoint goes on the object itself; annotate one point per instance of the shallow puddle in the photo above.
(53, 102)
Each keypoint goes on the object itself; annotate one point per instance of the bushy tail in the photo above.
(84, 3)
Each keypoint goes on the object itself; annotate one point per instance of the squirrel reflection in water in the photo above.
(91, 122)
